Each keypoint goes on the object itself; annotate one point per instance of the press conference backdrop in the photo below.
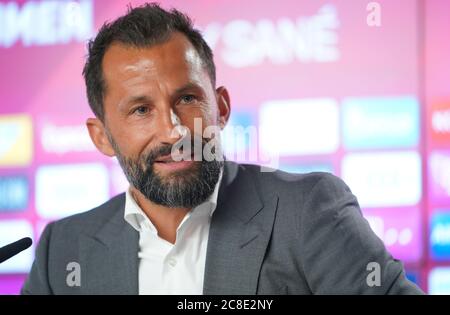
(352, 87)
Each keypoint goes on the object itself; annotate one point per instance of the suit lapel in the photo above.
(239, 234)
(110, 257)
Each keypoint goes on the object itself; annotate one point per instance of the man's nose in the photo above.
(170, 126)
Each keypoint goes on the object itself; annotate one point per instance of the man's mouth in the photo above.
(176, 162)
(174, 158)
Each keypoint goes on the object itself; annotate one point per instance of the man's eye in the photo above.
(141, 110)
(187, 99)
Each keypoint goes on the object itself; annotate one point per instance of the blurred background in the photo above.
(357, 88)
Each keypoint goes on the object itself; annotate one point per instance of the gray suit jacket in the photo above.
(271, 233)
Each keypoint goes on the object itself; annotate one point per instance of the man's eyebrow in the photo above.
(188, 87)
(135, 99)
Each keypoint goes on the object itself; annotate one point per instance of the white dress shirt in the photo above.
(166, 268)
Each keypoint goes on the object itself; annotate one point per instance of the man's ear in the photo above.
(99, 137)
(223, 103)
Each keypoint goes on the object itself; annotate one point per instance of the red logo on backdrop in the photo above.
(439, 126)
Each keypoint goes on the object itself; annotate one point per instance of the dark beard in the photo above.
(181, 189)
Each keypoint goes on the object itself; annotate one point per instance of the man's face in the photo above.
(149, 92)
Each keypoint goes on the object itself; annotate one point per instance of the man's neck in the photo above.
(166, 220)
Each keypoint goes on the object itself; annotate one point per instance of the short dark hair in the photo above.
(142, 26)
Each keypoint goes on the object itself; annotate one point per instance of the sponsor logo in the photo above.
(240, 138)
(308, 39)
(439, 127)
(299, 127)
(16, 140)
(370, 123)
(63, 190)
(439, 172)
(67, 138)
(302, 168)
(13, 193)
(384, 179)
(440, 236)
(41, 23)
(399, 229)
(439, 281)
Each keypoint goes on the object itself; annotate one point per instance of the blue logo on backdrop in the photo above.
(440, 236)
(373, 123)
(302, 168)
(13, 193)
(243, 119)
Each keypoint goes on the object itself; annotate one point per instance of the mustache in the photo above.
(166, 149)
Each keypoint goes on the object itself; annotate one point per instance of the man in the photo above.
(197, 226)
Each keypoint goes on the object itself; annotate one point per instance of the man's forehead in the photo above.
(176, 52)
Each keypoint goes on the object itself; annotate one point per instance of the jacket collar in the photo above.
(240, 230)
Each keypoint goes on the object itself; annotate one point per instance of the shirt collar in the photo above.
(135, 216)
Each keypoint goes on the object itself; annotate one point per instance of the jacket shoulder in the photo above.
(280, 181)
(92, 220)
